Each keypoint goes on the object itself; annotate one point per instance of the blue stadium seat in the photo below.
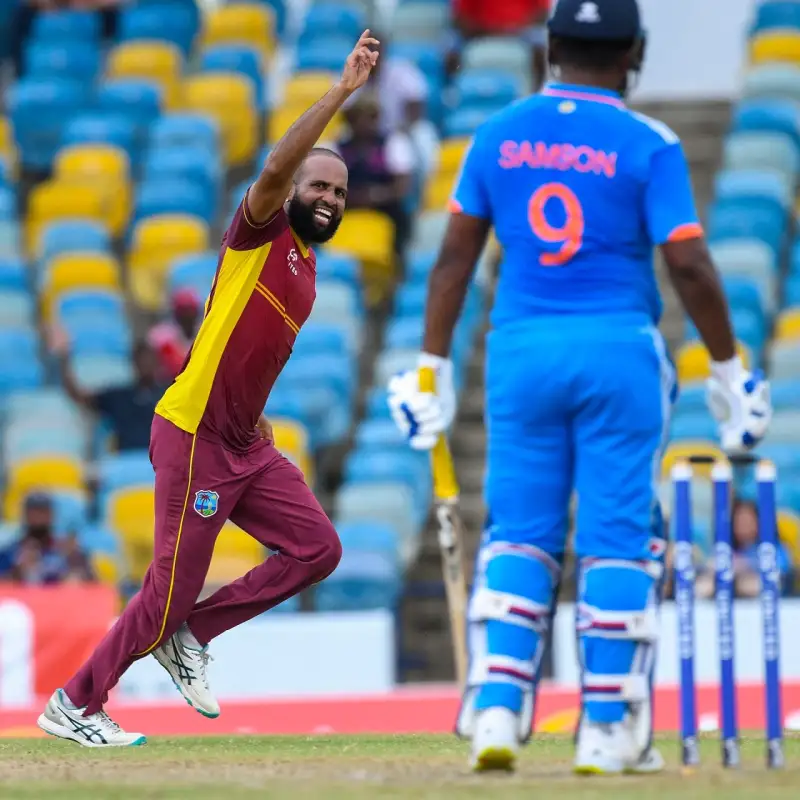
(784, 428)
(465, 121)
(773, 81)
(76, 60)
(173, 195)
(19, 355)
(194, 272)
(318, 338)
(325, 369)
(103, 128)
(786, 458)
(369, 537)
(732, 219)
(51, 404)
(404, 332)
(377, 405)
(91, 337)
(333, 266)
(137, 100)
(768, 115)
(119, 470)
(791, 290)
(13, 274)
(760, 185)
(71, 512)
(76, 235)
(362, 581)
(758, 150)
(194, 164)
(174, 22)
(323, 18)
(94, 305)
(16, 310)
(97, 539)
(780, 14)
(744, 293)
(28, 438)
(428, 56)
(482, 89)
(373, 465)
(785, 396)
(323, 55)
(294, 404)
(697, 426)
(691, 398)
(8, 205)
(380, 434)
(40, 111)
(410, 299)
(419, 267)
(240, 59)
(95, 373)
(185, 130)
(67, 25)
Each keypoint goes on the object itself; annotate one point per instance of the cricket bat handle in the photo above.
(445, 484)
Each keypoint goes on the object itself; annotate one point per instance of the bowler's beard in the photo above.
(301, 218)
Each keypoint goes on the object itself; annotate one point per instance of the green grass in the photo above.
(358, 768)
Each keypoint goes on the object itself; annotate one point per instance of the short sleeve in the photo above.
(244, 234)
(670, 209)
(400, 158)
(471, 196)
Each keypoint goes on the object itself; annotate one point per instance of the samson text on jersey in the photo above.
(262, 294)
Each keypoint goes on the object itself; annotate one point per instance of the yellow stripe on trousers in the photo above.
(174, 556)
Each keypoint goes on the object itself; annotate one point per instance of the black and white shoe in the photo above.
(188, 668)
(60, 718)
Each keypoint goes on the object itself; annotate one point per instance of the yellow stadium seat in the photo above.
(694, 363)
(369, 237)
(240, 23)
(40, 472)
(102, 164)
(8, 147)
(438, 191)
(157, 61)
(235, 553)
(157, 242)
(787, 325)
(281, 119)
(130, 513)
(789, 532)
(681, 451)
(78, 271)
(229, 98)
(291, 438)
(106, 568)
(776, 45)
(57, 199)
(305, 88)
(451, 154)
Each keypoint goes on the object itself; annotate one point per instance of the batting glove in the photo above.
(740, 402)
(423, 416)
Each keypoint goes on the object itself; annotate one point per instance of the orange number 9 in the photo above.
(570, 235)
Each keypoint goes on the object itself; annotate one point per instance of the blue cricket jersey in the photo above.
(579, 190)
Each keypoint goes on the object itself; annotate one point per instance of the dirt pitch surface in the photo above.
(357, 768)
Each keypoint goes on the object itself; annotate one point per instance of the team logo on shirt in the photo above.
(206, 503)
(291, 259)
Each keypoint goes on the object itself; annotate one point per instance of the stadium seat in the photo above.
(160, 21)
(362, 581)
(91, 337)
(693, 361)
(62, 200)
(16, 309)
(185, 130)
(230, 100)
(120, 470)
(789, 532)
(303, 89)
(239, 59)
(346, 20)
(292, 440)
(784, 360)
(767, 115)
(337, 302)
(380, 434)
(693, 426)
(39, 473)
(78, 270)
(779, 14)
(419, 21)
(503, 53)
(369, 237)
(104, 128)
(373, 465)
(26, 439)
(235, 553)
(323, 55)
(139, 101)
(98, 305)
(130, 514)
(487, 88)
(318, 337)
(69, 236)
(93, 373)
(787, 324)
(772, 81)
(785, 395)
(754, 150)
(370, 537)
(242, 24)
(736, 220)
(784, 428)
(40, 112)
(282, 118)
(338, 267)
(776, 187)
(785, 455)
(775, 46)
(13, 274)
(156, 243)
(156, 61)
(51, 404)
(174, 195)
(72, 60)
(193, 272)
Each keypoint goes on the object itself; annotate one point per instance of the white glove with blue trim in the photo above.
(740, 402)
(423, 416)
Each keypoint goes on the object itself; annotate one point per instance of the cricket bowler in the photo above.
(579, 386)
(210, 448)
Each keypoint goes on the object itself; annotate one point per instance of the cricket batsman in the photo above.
(579, 386)
(211, 450)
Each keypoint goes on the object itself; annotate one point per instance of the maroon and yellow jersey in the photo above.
(262, 293)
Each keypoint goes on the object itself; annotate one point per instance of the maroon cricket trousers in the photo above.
(200, 484)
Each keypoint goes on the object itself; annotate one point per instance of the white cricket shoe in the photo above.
(187, 666)
(604, 749)
(62, 719)
(495, 744)
(650, 762)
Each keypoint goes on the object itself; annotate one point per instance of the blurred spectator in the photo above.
(474, 19)
(381, 167)
(128, 410)
(39, 557)
(424, 137)
(399, 86)
(172, 338)
(747, 581)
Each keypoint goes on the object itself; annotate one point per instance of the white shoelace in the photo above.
(107, 722)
